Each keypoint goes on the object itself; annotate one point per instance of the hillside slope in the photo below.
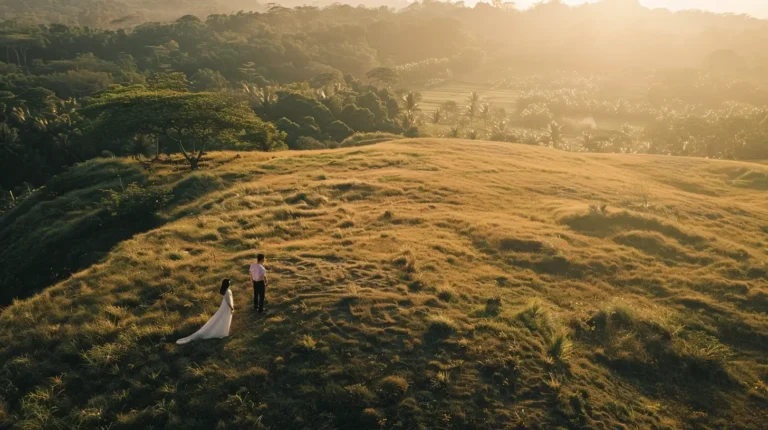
(415, 284)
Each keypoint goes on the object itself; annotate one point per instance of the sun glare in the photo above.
(757, 8)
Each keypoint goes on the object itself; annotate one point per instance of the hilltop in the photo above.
(421, 283)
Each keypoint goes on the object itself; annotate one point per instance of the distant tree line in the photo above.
(309, 78)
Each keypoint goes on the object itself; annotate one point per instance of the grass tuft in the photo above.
(393, 387)
(442, 325)
(306, 343)
(560, 347)
(441, 380)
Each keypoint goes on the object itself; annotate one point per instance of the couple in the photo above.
(218, 326)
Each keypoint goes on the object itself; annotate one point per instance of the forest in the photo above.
(606, 77)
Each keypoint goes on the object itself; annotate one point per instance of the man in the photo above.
(259, 278)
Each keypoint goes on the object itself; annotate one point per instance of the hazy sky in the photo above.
(758, 8)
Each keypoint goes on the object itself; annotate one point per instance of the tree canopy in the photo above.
(191, 120)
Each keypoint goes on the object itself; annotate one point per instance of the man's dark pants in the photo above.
(259, 290)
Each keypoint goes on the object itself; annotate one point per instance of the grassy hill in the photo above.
(433, 284)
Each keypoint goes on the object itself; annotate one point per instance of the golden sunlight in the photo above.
(757, 8)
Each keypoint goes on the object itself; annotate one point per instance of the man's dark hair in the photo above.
(260, 257)
(224, 286)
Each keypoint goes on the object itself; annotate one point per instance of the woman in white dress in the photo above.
(218, 326)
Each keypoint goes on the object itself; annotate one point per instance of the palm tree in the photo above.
(472, 108)
(555, 134)
(588, 143)
(474, 97)
(324, 95)
(454, 132)
(437, 116)
(262, 99)
(411, 102)
(499, 131)
(20, 114)
(485, 113)
(409, 119)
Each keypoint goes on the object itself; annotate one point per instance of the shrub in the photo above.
(393, 387)
(406, 260)
(136, 201)
(339, 131)
(493, 306)
(307, 143)
(411, 132)
(372, 418)
(442, 325)
(363, 139)
(359, 394)
(445, 293)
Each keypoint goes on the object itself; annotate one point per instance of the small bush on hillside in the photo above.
(363, 139)
(393, 387)
(442, 325)
(359, 394)
(445, 293)
(136, 201)
(411, 132)
(308, 143)
(493, 306)
(406, 260)
(372, 418)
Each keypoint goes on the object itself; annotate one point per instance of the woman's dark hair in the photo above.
(224, 286)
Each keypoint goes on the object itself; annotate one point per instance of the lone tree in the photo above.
(383, 75)
(192, 120)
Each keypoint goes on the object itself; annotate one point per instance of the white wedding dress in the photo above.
(218, 326)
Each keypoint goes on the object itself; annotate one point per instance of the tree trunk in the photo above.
(193, 161)
(18, 58)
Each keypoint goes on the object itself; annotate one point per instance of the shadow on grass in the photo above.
(31, 264)
(599, 225)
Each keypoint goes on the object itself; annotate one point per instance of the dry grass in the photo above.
(416, 283)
